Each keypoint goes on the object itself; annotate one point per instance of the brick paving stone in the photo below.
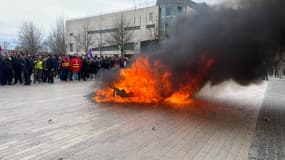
(268, 142)
(49, 122)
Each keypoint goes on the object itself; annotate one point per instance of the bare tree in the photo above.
(30, 37)
(45, 46)
(5, 45)
(122, 34)
(56, 41)
(85, 39)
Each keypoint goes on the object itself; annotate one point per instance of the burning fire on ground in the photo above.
(150, 82)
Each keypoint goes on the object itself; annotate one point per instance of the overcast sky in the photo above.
(45, 12)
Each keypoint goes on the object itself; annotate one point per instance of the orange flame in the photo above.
(146, 83)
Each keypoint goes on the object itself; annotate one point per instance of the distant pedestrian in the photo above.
(64, 67)
(17, 69)
(7, 70)
(85, 69)
(38, 72)
(45, 72)
(75, 66)
(28, 66)
(94, 64)
(50, 66)
(281, 70)
(1, 68)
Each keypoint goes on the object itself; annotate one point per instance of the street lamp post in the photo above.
(121, 50)
(100, 45)
(76, 37)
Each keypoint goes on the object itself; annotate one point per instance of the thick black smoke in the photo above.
(243, 40)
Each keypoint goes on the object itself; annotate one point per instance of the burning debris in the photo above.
(213, 44)
(120, 92)
(149, 82)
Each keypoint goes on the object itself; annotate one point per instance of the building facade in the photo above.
(169, 10)
(142, 26)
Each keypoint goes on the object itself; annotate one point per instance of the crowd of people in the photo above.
(25, 68)
(277, 71)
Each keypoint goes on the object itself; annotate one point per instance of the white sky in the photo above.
(45, 12)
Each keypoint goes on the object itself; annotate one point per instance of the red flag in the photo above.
(0, 49)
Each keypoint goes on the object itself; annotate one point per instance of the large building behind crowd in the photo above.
(147, 24)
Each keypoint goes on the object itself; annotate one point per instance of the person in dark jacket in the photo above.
(93, 68)
(17, 69)
(7, 70)
(85, 69)
(27, 66)
(1, 68)
(45, 73)
(22, 61)
(70, 73)
(50, 66)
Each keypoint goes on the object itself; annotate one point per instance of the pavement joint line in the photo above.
(19, 154)
(14, 148)
(48, 133)
(30, 149)
(65, 135)
(73, 136)
(75, 141)
(40, 129)
(4, 147)
(54, 147)
(9, 143)
(28, 157)
(67, 139)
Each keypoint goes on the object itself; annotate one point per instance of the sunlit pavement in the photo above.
(60, 121)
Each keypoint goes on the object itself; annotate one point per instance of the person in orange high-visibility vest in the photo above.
(64, 67)
(75, 67)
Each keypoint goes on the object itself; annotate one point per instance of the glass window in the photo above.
(179, 9)
(128, 46)
(71, 47)
(107, 48)
(167, 30)
(150, 17)
(133, 28)
(150, 26)
(102, 31)
(168, 11)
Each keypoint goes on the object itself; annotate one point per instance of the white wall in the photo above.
(137, 17)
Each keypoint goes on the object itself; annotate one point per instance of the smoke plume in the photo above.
(213, 44)
(243, 39)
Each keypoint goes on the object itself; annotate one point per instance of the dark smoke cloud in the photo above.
(243, 40)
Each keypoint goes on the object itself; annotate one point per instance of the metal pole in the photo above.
(123, 49)
(100, 45)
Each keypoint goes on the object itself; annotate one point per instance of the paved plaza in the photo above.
(60, 122)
